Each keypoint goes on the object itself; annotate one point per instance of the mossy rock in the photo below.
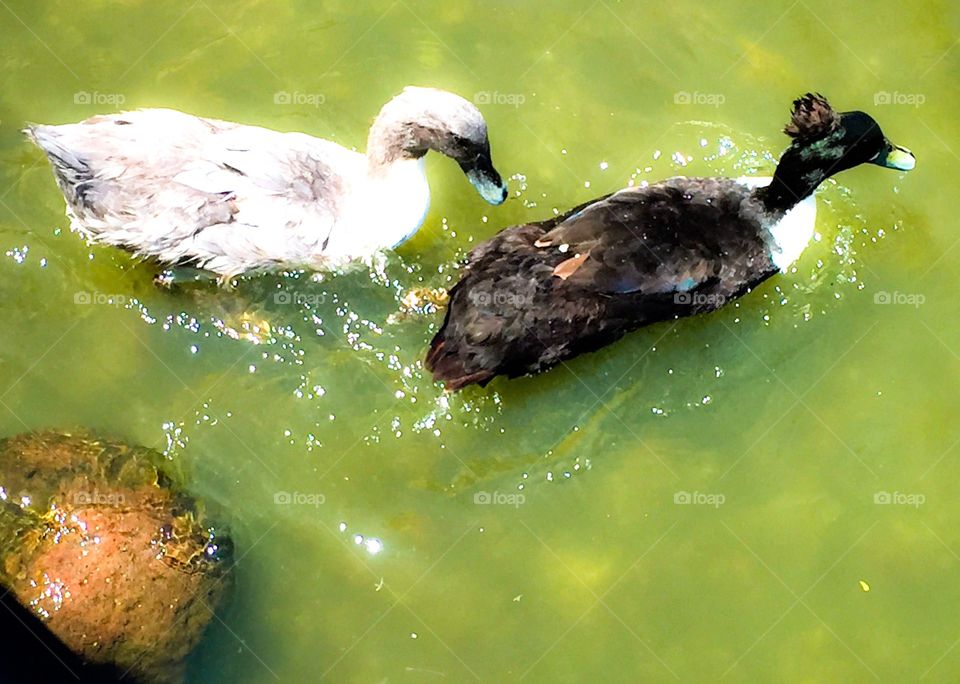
(101, 545)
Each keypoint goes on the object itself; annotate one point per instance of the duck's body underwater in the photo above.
(230, 198)
(537, 294)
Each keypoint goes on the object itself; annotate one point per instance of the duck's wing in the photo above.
(652, 240)
(285, 193)
(180, 187)
(536, 294)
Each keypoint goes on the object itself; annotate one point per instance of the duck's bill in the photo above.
(896, 157)
(486, 180)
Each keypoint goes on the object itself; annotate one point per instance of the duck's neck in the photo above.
(392, 141)
(798, 174)
(397, 196)
(384, 208)
(395, 200)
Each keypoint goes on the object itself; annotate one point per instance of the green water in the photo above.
(791, 411)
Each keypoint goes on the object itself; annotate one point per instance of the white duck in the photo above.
(230, 198)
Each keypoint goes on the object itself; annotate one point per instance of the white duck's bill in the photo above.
(494, 193)
(792, 233)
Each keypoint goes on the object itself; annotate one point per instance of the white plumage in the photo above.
(792, 233)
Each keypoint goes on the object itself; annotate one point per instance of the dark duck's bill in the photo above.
(537, 294)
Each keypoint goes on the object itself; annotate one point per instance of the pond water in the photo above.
(762, 494)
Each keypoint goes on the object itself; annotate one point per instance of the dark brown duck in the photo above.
(537, 294)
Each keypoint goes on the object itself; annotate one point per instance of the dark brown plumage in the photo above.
(513, 314)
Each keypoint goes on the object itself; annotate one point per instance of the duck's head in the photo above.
(842, 140)
(826, 142)
(422, 119)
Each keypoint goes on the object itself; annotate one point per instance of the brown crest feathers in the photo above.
(812, 118)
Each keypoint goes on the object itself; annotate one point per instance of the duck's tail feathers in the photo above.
(51, 141)
(74, 175)
(448, 366)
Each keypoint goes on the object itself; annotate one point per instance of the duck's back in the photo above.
(183, 188)
(536, 294)
(650, 239)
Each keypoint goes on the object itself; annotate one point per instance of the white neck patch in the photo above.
(792, 233)
(383, 211)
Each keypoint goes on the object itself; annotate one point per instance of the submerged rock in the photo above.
(99, 544)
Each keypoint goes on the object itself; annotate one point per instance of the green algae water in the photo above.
(766, 493)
